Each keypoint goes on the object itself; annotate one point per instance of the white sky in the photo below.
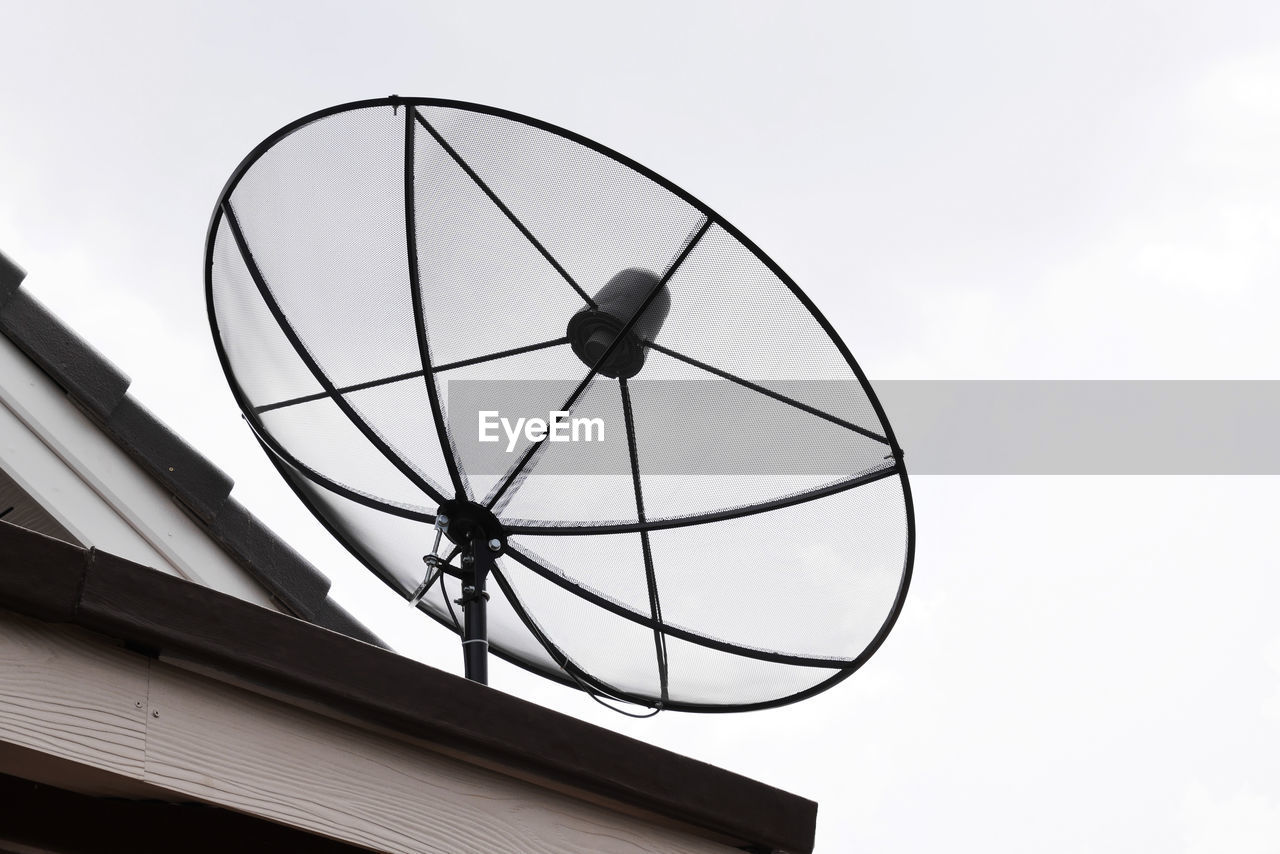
(985, 190)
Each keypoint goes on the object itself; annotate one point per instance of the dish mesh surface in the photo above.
(381, 275)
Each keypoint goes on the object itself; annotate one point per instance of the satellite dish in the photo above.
(450, 324)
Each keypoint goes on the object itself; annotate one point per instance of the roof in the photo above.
(161, 615)
(100, 390)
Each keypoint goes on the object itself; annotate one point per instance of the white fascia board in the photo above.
(90, 485)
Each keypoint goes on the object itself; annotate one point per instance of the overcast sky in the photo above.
(987, 190)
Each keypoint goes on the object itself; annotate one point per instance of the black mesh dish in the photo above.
(378, 273)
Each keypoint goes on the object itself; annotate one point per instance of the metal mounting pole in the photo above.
(476, 564)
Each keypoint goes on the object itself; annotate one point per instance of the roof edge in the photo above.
(11, 276)
(203, 490)
(147, 609)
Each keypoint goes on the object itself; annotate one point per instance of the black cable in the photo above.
(596, 694)
(444, 594)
